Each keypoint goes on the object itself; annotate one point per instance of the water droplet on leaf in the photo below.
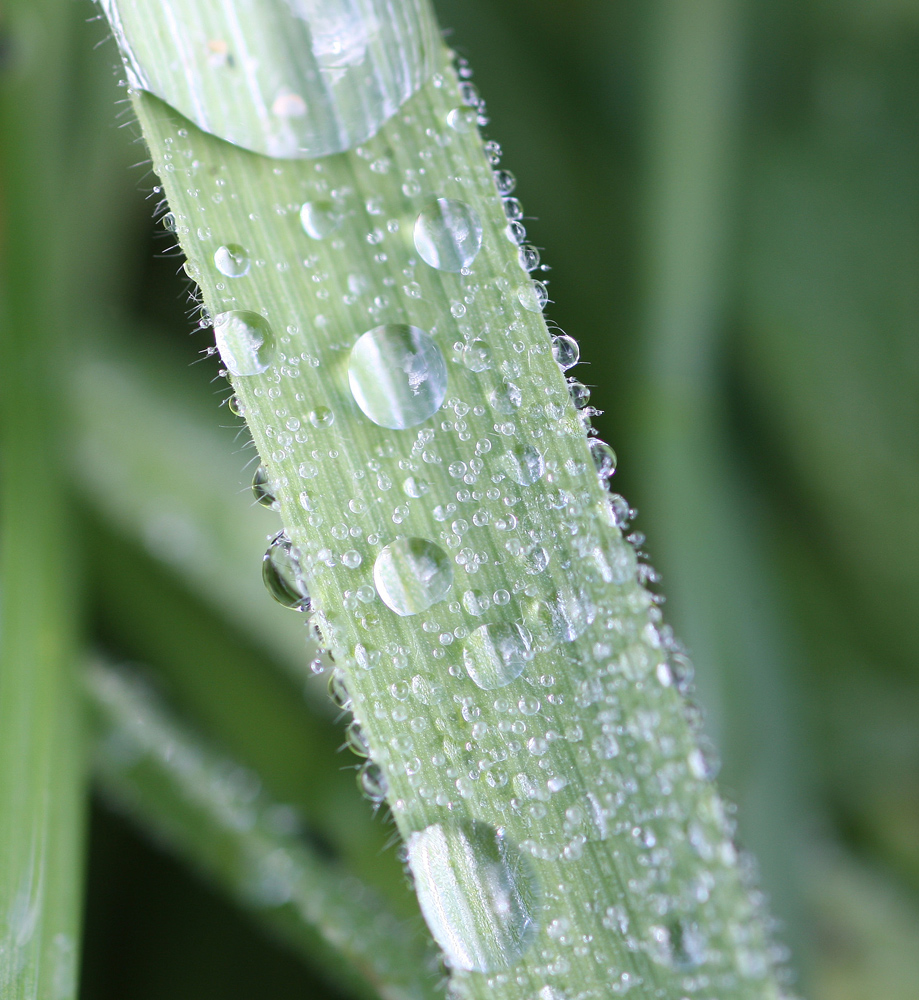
(245, 341)
(283, 575)
(320, 218)
(263, 490)
(494, 655)
(411, 574)
(565, 350)
(232, 260)
(448, 235)
(604, 458)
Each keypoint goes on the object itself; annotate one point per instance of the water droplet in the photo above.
(356, 740)
(411, 574)
(263, 490)
(463, 119)
(533, 296)
(494, 655)
(398, 375)
(372, 782)
(505, 182)
(448, 235)
(529, 257)
(415, 487)
(232, 260)
(169, 222)
(524, 464)
(283, 576)
(565, 350)
(580, 394)
(320, 218)
(477, 892)
(322, 416)
(245, 341)
(506, 398)
(604, 458)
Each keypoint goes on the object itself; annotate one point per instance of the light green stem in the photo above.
(209, 810)
(503, 663)
(41, 752)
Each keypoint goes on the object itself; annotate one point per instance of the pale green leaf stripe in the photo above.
(41, 750)
(563, 833)
(211, 812)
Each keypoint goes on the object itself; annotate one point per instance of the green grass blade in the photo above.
(209, 810)
(41, 752)
(503, 662)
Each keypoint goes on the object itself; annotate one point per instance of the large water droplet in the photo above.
(245, 341)
(398, 375)
(604, 458)
(283, 575)
(565, 350)
(477, 892)
(320, 218)
(232, 260)
(411, 574)
(448, 235)
(494, 655)
(524, 464)
(533, 296)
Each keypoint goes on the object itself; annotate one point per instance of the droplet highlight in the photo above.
(245, 341)
(477, 892)
(448, 235)
(411, 574)
(494, 655)
(398, 375)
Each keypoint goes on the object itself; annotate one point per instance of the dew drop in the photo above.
(448, 235)
(411, 574)
(463, 119)
(494, 655)
(566, 352)
(322, 416)
(262, 489)
(524, 464)
(505, 182)
(580, 394)
(245, 341)
(320, 218)
(398, 375)
(283, 575)
(477, 892)
(604, 458)
(232, 260)
(415, 487)
(372, 782)
(533, 296)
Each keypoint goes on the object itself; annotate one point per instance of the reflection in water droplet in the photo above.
(411, 574)
(494, 655)
(232, 260)
(604, 458)
(448, 235)
(580, 394)
(566, 352)
(524, 464)
(263, 490)
(320, 218)
(533, 296)
(372, 782)
(477, 892)
(245, 341)
(283, 576)
(398, 375)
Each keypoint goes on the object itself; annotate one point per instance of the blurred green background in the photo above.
(728, 195)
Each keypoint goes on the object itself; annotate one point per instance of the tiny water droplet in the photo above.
(372, 782)
(262, 489)
(476, 603)
(169, 222)
(524, 464)
(338, 691)
(604, 458)
(283, 576)
(232, 260)
(496, 654)
(448, 235)
(320, 218)
(463, 119)
(477, 892)
(411, 574)
(398, 375)
(565, 350)
(322, 416)
(356, 740)
(528, 257)
(580, 394)
(236, 406)
(245, 341)
(414, 487)
(505, 182)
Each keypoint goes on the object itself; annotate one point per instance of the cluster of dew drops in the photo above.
(447, 236)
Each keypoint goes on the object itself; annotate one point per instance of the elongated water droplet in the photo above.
(448, 235)
(494, 655)
(263, 490)
(398, 375)
(604, 458)
(565, 350)
(477, 892)
(320, 218)
(372, 782)
(411, 574)
(245, 341)
(283, 575)
(524, 464)
(232, 260)
(338, 691)
(357, 741)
